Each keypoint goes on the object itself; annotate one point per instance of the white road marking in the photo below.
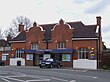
(15, 79)
(38, 80)
(73, 81)
(5, 80)
(34, 79)
(84, 70)
(95, 77)
(15, 76)
(75, 75)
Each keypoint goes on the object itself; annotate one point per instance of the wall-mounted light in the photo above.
(66, 40)
(92, 48)
(56, 41)
(89, 47)
(38, 41)
(76, 47)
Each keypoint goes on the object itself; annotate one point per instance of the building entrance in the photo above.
(37, 58)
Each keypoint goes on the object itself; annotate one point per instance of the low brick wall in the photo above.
(105, 59)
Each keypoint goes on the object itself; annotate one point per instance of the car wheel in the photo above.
(58, 66)
(40, 66)
(2, 64)
(49, 66)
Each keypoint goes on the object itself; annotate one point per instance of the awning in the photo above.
(32, 51)
(66, 50)
(36, 51)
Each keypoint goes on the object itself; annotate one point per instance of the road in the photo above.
(36, 74)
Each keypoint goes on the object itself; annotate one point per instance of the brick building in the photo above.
(4, 51)
(74, 44)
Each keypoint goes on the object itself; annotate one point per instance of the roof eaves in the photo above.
(84, 38)
(17, 41)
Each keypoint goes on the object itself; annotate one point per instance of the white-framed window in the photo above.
(34, 46)
(18, 53)
(61, 44)
(66, 57)
(46, 56)
(29, 56)
(83, 53)
(4, 56)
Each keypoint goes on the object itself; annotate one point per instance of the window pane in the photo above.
(29, 57)
(86, 55)
(60, 57)
(83, 53)
(61, 45)
(34, 46)
(18, 53)
(4, 57)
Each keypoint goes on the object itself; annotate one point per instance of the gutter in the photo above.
(16, 41)
(84, 38)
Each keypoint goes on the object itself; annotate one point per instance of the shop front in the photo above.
(65, 56)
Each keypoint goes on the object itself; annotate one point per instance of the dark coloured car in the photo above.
(49, 63)
(2, 63)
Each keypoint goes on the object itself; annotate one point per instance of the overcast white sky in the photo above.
(51, 11)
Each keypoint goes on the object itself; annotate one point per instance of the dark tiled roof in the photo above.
(91, 30)
(47, 28)
(20, 37)
(83, 31)
(80, 31)
(3, 43)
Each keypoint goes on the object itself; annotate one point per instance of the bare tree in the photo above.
(13, 28)
(1, 37)
(9, 32)
(26, 21)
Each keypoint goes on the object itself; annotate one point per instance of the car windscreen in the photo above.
(49, 59)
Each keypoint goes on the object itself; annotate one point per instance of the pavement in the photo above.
(64, 68)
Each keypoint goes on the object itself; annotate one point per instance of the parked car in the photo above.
(2, 63)
(49, 63)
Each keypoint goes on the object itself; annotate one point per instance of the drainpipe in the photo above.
(97, 54)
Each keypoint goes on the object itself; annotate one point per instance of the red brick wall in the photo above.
(61, 33)
(29, 63)
(7, 58)
(15, 46)
(86, 44)
(34, 35)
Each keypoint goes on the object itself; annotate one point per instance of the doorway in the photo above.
(35, 59)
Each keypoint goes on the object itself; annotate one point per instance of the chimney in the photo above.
(98, 21)
(34, 24)
(61, 22)
(21, 27)
(98, 18)
(9, 37)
